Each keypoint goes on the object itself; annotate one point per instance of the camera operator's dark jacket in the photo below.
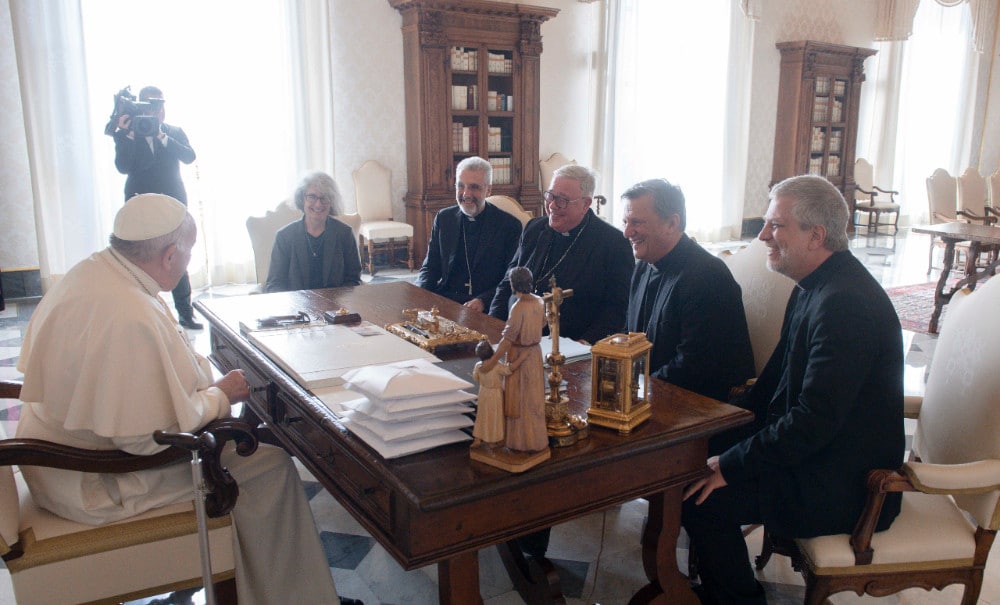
(155, 170)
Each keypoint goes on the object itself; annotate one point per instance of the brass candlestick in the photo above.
(563, 430)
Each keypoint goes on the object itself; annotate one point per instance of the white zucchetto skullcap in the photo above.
(148, 215)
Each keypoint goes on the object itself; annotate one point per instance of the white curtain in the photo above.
(48, 40)
(933, 115)
(672, 113)
(248, 81)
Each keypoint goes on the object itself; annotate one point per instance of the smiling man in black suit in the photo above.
(471, 242)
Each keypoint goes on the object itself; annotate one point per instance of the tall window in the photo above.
(671, 100)
(225, 72)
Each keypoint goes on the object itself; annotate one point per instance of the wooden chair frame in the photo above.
(881, 482)
(209, 442)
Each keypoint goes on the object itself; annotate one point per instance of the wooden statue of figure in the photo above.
(489, 426)
(526, 439)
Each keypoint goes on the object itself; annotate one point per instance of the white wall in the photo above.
(568, 82)
(848, 22)
(368, 110)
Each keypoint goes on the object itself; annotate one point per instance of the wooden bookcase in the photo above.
(817, 126)
(472, 79)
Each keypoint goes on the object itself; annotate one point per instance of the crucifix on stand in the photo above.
(562, 429)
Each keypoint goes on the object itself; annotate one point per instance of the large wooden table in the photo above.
(439, 506)
(951, 234)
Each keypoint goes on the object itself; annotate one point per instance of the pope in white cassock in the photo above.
(105, 364)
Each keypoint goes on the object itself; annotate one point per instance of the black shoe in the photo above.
(346, 601)
(191, 324)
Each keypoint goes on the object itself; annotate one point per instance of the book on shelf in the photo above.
(816, 165)
(499, 63)
(835, 139)
(464, 96)
(817, 140)
(493, 139)
(501, 170)
(821, 107)
(833, 166)
(463, 59)
(838, 111)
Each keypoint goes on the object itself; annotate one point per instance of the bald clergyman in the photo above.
(106, 364)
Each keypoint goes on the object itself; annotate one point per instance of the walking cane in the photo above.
(204, 442)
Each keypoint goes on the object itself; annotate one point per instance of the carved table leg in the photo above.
(659, 553)
(940, 298)
(458, 580)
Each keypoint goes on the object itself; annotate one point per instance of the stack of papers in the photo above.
(317, 355)
(407, 407)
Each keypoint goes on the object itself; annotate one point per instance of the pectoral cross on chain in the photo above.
(468, 285)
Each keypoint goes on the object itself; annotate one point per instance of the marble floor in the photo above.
(598, 556)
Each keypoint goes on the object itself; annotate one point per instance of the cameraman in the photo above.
(152, 164)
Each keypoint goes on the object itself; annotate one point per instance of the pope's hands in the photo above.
(234, 385)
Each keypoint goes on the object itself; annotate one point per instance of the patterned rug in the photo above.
(914, 305)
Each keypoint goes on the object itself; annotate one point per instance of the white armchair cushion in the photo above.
(385, 229)
(929, 528)
(91, 560)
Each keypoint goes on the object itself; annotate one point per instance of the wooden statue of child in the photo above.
(489, 410)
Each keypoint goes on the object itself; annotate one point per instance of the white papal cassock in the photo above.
(105, 365)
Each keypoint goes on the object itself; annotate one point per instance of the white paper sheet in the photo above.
(367, 403)
(318, 355)
(396, 431)
(405, 447)
(450, 409)
(571, 349)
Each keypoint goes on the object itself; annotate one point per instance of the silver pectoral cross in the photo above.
(468, 284)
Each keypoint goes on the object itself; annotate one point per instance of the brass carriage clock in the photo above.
(620, 379)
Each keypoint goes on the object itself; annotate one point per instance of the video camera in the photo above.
(143, 114)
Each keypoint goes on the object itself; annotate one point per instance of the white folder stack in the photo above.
(407, 407)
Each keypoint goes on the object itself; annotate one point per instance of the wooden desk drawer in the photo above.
(324, 455)
(227, 358)
(224, 355)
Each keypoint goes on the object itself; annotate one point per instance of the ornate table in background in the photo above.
(951, 234)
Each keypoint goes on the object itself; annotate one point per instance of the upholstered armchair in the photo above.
(993, 196)
(55, 560)
(942, 201)
(950, 488)
(867, 200)
(511, 207)
(548, 166)
(261, 230)
(765, 296)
